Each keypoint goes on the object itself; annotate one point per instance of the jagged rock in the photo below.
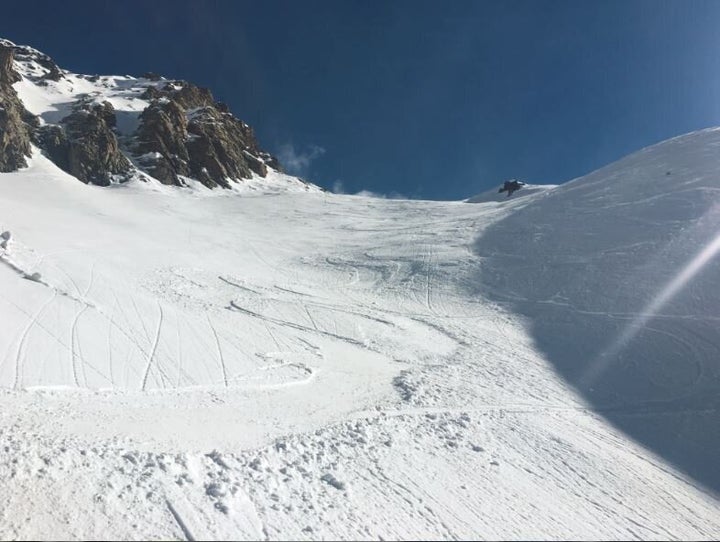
(94, 156)
(186, 133)
(205, 163)
(219, 145)
(151, 93)
(8, 75)
(106, 111)
(256, 165)
(14, 136)
(32, 121)
(186, 95)
(190, 96)
(152, 76)
(84, 145)
(161, 140)
(53, 140)
(14, 132)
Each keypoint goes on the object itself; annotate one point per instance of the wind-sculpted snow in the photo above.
(194, 364)
(617, 274)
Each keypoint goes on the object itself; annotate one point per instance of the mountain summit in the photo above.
(109, 129)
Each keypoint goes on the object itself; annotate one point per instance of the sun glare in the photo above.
(668, 291)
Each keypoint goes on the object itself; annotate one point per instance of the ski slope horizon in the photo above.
(242, 364)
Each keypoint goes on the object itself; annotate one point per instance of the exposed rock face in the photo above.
(8, 75)
(161, 142)
(185, 132)
(84, 145)
(222, 145)
(14, 132)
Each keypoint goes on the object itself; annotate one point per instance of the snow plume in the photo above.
(298, 162)
(338, 187)
(371, 194)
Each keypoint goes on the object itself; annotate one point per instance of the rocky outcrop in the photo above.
(84, 145)
(185, 133)
(14, 131)
(182, 133)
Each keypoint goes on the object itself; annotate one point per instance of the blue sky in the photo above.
(436, 100)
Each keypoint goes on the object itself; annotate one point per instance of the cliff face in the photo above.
(185, 132)
(110, 129)
(14, 131)
(84, 145)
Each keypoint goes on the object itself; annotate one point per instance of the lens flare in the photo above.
(667, 292)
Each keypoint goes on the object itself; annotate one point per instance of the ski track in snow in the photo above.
(19, 354)
(153, 349)
(310, 366)
(221, 359)
(181, 523)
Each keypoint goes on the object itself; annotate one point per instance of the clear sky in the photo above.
(436, 100)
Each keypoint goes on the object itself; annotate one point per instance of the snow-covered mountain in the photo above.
(111, 129)
(179, 362)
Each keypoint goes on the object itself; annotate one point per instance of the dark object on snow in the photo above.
(511, 186)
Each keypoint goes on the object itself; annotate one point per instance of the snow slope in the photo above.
(618, 275)
(308, 365)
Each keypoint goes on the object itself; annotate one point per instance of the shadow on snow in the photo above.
(621, 294)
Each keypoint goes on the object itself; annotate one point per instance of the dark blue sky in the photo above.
(435, 100)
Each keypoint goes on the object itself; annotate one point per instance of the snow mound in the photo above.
(617, 274)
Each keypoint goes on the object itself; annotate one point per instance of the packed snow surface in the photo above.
(186, 364)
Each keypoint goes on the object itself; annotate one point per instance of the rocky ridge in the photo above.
(112, 129)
